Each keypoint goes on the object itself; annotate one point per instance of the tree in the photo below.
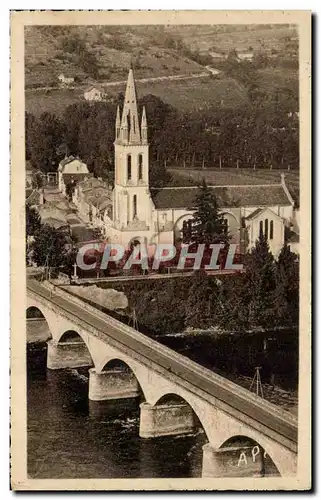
(33, 221)
(286, 294)
(51, 247)
(232, 309)
(44, 137)
(260, 284)
(207, 225)
(37, 180)
(200, 304)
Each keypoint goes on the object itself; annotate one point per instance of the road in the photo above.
(123, 82)
(216, 386)
(154, 276)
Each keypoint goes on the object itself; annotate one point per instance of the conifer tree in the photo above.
(286, 295)
(260, 284)
(208, 224)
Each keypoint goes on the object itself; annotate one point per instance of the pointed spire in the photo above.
(144, 119)
(129, 122)
(144, 126)
(117, 126)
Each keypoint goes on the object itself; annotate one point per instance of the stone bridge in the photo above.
(246, 434)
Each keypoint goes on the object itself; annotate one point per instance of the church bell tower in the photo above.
(132, 202)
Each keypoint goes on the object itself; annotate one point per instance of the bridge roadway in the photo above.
(201, 378)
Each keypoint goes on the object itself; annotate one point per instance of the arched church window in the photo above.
(129, 167)
(261, 227)
(266, 228)
(140, 167)
(134, 206)
(271, 229)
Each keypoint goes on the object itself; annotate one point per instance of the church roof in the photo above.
(260, 211)
(227, 196)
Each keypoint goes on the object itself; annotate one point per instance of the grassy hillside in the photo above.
(186, 95)
(47, 54)
(104, 53)
(240, 37)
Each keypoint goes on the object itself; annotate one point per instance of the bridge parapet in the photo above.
(223, 408)
(172, 355)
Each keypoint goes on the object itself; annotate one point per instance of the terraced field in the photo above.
(186, 95)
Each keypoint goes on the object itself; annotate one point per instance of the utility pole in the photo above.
(257, 382)
(133, 320)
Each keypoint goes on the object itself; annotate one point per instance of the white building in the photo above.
(71, 170)
(245, 56)
(157, 215)
(94, 94)
(66, 80)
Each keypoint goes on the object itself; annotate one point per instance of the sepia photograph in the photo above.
(160, 248)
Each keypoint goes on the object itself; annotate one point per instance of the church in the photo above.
(149, 215)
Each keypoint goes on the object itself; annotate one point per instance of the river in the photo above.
(71, 437)
(68, 437)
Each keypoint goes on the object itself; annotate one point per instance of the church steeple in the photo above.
(144, 127)
(129, 129)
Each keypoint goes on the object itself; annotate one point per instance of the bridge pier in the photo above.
(246, 461)
(67, 355)
(166, 420)
(112, 384)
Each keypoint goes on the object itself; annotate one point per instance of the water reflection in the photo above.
(69, 437)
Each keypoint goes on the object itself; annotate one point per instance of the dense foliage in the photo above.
(33, 221)
(51, 248)
(261, 134)
(264, 297)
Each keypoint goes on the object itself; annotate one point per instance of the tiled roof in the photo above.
(33, 198)
(95, 87)
(254, 214)
(54, 223)
(88, 184)
(227, 196)
(67, 160)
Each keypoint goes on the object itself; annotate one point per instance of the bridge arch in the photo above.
(124, 364)
(283, 461)
(251, 454)
(38, 329)
(70, 336)
(42, 312)
(179, 396)
(34, 312)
